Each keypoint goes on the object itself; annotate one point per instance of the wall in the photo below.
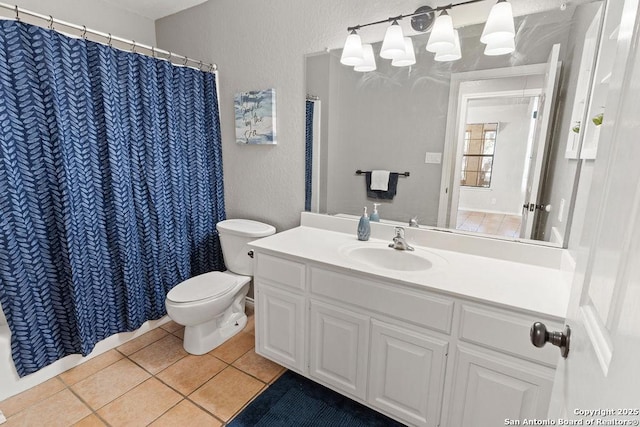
(95, 14)
(562, 172)
(505, 194)
(259, 44)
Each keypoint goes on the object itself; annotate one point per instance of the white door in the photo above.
(339, 346)
(406, 376)
(541, 137)
(602, 371)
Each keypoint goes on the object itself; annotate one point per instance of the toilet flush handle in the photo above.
(250, 253)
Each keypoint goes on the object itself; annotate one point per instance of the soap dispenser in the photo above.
(374, 215)
(364, 228)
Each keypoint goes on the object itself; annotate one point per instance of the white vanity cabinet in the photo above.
(420, 356)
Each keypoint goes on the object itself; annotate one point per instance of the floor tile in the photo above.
(90, 421)
(186, 413)
(159, 355)
(30, 397)
(235, 347)
(90, 367)
(190, 372)
(251, 325)
(254, 364)
(226, 393)
(110, 383)
(142, 341)
(141, 405)
(171, 326)
(179, 333)
(48, 412)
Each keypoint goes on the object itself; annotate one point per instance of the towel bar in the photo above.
(360, 172)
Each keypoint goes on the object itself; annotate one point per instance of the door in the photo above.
(602, 370)
(339, 348)
(407, 373)
(542, 134)
(280, 322)
(490, 388)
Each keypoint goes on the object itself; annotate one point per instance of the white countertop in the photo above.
(514, 284)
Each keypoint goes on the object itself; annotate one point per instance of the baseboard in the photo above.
(250, 302)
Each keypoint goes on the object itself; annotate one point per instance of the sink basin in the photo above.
(378, 255)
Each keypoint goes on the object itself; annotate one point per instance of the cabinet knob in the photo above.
(540, 336)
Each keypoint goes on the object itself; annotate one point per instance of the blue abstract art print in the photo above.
(255, 113)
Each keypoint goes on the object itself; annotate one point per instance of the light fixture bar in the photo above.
(409, 15)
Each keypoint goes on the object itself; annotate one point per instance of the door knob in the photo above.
(540, 336)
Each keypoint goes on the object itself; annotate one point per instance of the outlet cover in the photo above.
(435, 158)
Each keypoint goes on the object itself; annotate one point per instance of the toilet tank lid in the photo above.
(245, 227)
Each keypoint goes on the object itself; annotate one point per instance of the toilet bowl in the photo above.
(211, 306)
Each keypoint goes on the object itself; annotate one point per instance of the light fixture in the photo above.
(393, 44)
(369, 63)
(453, 54)
(502, 47)
(499, 26)
(441, 38)
(498, 34)
(409, 58)
(352, 54)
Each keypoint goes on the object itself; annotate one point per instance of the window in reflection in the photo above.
(477, 156)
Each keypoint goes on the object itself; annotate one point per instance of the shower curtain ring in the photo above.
(109, 41)
(17, 14)
(84, 32)
(210, 68)
(133, 46)
(184, 63)
(153, 51)
(50, 22)
(200, 65)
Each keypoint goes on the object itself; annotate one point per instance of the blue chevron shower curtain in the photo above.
(308, 154)
(110, 189)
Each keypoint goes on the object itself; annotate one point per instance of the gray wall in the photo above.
(562, 172)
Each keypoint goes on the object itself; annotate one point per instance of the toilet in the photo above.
(211, 305)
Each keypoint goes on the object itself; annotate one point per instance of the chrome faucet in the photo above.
(413, 222)
(399, 242)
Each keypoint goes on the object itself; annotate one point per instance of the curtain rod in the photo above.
(154, 51)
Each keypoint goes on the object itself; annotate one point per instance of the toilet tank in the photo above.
(235, 234)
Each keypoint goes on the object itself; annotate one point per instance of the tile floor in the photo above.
(488, 223)
(150, 380)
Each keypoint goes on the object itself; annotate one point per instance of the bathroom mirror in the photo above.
(412, 119)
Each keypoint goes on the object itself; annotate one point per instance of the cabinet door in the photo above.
(490, 388)
(339, 348)
(406, 375)
(280, 325)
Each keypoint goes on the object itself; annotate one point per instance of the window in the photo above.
(477, 155)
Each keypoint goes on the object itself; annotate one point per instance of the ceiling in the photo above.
(155, 9)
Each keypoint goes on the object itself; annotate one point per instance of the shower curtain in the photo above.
(110, 189)
(308, 155)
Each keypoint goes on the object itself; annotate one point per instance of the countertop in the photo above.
(511, 284)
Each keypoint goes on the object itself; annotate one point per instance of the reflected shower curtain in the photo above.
(308, 154)
(110, 189)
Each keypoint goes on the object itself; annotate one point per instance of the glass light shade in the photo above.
(499, 26)
(442, 37)
(453, 54)
(352, 53)
(369, 63)
(502, 47)
(393, 43)
(409, 58)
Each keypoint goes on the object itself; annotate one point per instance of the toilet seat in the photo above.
(205, 286)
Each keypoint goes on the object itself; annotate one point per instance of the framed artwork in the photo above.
(255, 113)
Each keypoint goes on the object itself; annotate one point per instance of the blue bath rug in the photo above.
(296, 401)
